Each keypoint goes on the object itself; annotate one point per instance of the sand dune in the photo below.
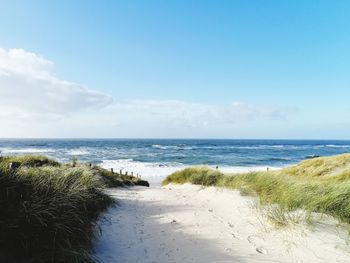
(193, 224)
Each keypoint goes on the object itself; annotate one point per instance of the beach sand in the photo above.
(188, 223)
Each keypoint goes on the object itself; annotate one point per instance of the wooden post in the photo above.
(112, 171)
(132, 173)
(126, 173)
(14, 165)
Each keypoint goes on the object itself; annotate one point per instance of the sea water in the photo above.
(156, 158)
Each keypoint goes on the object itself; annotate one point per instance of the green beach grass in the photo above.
(49, 209)
(319, 185)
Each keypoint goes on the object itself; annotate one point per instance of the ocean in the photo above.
(156, 158)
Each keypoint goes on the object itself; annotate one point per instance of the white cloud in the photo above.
(28, 88)
(189, 114)
(36, 103)
(157, 119)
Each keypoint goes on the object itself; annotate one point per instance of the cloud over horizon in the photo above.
(28, 88)
(36, 103)
(191, 114)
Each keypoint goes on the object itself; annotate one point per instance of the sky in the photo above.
(175, 69)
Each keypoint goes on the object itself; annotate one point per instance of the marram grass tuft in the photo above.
(319, 185)
(49, 210)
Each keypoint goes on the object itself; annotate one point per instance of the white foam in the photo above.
(166, 147)
(157, 146)
(153, 172)
(337, 146)
(78, 152)
(27, 150)
(244, 169)
(156, 172)
(263, 146)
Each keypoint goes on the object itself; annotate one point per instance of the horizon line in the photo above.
(167, 138)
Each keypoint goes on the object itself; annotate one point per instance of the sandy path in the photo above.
(193, 224)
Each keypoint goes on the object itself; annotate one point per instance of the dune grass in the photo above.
(49, 210)
(112, 179)
(319, 185)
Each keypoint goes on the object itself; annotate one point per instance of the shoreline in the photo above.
(155, 173)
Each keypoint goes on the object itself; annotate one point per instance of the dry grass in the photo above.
(319, 185)
(318, 167)
(49, 210)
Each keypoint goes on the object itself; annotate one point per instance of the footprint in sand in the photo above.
(230, 225)
(256, 242)
(162, 245)
(236, 236)
(261, 250)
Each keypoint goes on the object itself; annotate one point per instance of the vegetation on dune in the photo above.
(48, 209)
(195, 175)
(318, 185)
(322, 166)
(111, 179)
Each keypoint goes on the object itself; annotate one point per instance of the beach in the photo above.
(189, 223)
(174, 131)
(209, 221)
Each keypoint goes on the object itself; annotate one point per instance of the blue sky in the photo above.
(283, 65)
